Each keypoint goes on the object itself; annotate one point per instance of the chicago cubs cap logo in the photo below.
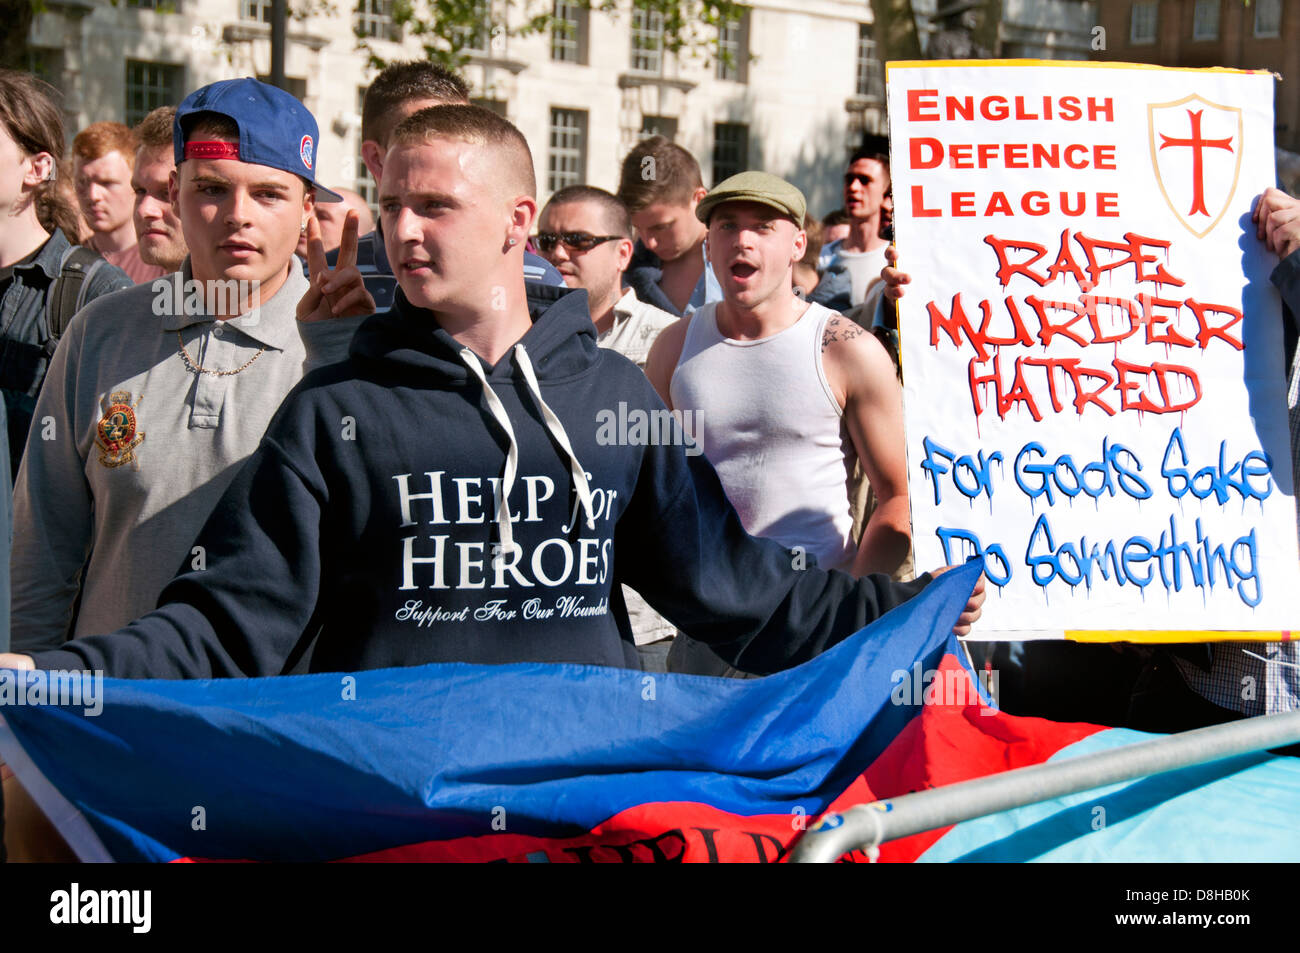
(304, 150)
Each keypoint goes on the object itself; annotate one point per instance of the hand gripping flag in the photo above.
(570, 763)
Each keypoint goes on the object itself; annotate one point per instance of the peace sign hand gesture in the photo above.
(338, 292)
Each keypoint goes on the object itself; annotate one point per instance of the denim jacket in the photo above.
(644, 272)
(25, 333)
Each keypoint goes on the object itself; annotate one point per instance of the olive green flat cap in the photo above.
(758, 187)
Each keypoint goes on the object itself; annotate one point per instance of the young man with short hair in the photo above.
(158, 230)
(853, 264)
(660, 184)
(449, 492)
(103, 155)
(399, 91)
(157, 394)
(780, 382)
(585, 232)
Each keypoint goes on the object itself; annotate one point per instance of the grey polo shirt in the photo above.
(130, 449)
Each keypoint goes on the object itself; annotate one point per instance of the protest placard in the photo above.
(1092, 351)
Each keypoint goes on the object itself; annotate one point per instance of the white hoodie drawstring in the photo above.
(512, 455)
(556, 429)
(553, 426)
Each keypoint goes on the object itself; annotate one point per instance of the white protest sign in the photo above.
(1092, 350)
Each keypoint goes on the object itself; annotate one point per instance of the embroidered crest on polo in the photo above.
(116, 434)
(304, 150)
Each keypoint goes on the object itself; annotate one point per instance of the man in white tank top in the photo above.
(776, 383)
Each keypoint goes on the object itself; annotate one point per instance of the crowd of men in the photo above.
(282, 437)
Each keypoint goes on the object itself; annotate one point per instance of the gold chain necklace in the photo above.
(185, 356)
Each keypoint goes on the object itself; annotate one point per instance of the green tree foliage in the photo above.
(449, 29)
(895, 30)
(17, 16)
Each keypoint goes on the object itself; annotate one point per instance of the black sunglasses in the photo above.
(578, 241)
(858, 177)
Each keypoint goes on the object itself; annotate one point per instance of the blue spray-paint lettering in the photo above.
(983, 478)
(1043, 486)
(1143, 544)
(1106, 560)
(1217, 481)
(1064, 476)
(1180, 563)
(932, 469)
(977, 467)
(1128, 479)
(970, 545)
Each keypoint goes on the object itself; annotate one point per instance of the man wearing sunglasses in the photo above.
(586, 233)
(855, 262)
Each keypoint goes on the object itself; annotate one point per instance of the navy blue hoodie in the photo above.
(365, 527)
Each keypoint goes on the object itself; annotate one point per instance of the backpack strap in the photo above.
(84, 292)
(68, 293)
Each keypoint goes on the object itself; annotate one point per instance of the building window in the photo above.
(1268, 18)
(733, 50)
(647, 40)
(293, 85)
(1205, 21)
(45, 63)
(871, 80)
(478, 39)
(1142, 24)
(569, 33)
(148, 86)
(730, 149)
(259, 11)
(665, 126)
(497, 106)
(162, 6)
(567, 159)
(372, 18)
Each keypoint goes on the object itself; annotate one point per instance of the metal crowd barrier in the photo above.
(867, 826)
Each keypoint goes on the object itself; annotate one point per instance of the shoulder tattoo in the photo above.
(840, 329)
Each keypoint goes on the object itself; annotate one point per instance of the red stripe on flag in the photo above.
(950, 741)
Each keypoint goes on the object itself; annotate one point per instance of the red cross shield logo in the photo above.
(1196, 155)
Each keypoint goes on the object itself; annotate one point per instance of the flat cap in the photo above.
(758, 187)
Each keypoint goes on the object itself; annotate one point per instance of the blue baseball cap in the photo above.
(275, 129)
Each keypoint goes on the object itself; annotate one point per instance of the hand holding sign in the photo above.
(894, 279)
(338, 292)
(1277, 222)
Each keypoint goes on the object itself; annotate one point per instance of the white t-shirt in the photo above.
(863, 268)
